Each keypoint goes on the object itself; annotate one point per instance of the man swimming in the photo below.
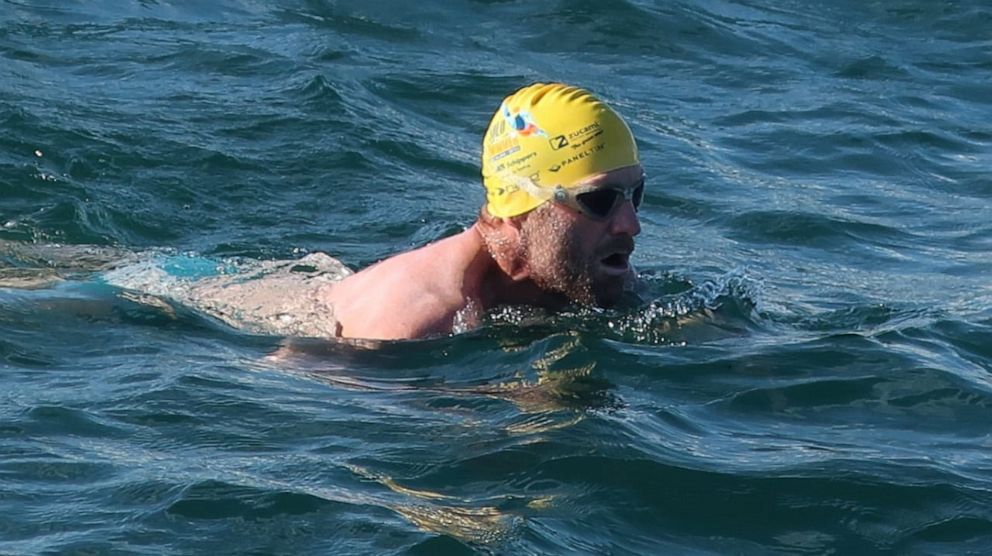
(563, 183)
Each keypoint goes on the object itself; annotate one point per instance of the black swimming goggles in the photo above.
(599, 201)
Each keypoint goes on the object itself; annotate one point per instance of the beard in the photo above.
(560, 264)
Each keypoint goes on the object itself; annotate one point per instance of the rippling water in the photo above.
(811, 373)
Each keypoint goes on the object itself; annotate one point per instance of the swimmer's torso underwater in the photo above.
(284, 298)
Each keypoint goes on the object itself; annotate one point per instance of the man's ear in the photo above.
(517, 267)
(504, 239)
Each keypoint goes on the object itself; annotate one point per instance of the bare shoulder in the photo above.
(409, 295)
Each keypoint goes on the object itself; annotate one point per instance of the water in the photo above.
(810, 373)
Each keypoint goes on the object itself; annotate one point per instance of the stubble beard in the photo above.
(556, 261)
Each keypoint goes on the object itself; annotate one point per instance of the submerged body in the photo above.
(283, 298)
(563, 183)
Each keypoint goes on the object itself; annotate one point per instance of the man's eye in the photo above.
(599, 202)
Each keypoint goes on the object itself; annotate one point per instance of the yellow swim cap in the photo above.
(546, 135)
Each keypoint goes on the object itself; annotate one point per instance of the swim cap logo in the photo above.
(521, 123)
(577, 157)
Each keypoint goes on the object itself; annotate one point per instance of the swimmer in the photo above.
(563, 184)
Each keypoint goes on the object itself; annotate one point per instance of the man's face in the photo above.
(583, 258)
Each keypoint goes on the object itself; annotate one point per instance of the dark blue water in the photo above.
(810, 373)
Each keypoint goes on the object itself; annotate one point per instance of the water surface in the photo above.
(809, 373)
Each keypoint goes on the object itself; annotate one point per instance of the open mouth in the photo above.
(616, 261)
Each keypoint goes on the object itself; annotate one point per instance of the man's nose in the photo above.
(625, 220)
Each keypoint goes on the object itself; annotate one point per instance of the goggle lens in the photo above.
(601, 202)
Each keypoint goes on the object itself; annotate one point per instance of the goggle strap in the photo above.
(532, 189)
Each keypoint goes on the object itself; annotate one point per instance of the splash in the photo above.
(280, 298)
(721, 307)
